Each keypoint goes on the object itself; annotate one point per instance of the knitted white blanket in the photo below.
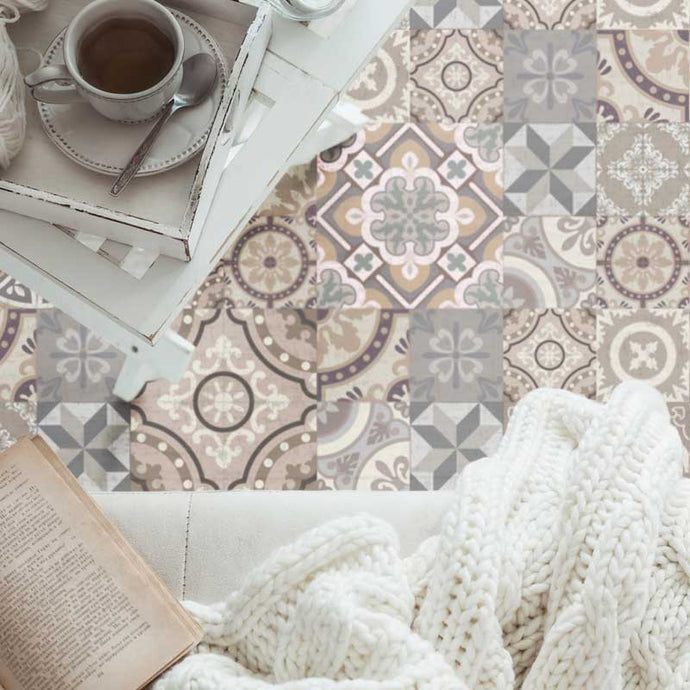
(563, 564)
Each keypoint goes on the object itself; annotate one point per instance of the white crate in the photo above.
(165, 212)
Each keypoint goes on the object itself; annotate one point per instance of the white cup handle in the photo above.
(37, 81)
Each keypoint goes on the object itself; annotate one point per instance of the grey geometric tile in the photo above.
(447, 436)
(456, 14)
(73, 363)
(549, 169)
(455, 355)
(92, 440)
(550, 76)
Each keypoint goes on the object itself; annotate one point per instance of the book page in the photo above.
(78, 608)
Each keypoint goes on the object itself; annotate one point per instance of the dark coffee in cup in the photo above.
(125, 55)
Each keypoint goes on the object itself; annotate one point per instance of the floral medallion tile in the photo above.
(643, 262)
(271, 264)
(17, 419)
(456, 14)
(549, 262)
(445, 437)
(552, 348)
(550, 76)
(363, 354)
(17, 354)
(244, 413)
(550, 14)
(651, 345)
(73, 363)
(363, 446)
(457, 76)
(91, 439)
(643, 14)
(294, 194)
(455, 356)
(382, 89)
(549, 169)
(643, 168)
(643, 76)
(410, 216)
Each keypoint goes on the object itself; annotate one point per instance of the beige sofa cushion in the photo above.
(202, 544)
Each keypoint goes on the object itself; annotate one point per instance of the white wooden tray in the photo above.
(163, 212)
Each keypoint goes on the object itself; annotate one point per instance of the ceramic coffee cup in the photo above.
(122, 107)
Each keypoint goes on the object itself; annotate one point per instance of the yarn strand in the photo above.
(12, 101)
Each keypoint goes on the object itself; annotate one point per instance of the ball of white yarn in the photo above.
(12, 106)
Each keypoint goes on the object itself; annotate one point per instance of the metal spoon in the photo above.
(199, 74)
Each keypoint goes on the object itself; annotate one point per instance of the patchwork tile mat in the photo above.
(516, 215)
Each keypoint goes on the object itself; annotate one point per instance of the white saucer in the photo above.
(105, 146)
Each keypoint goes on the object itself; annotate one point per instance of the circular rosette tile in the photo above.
(273, 263)
(644, 262)
(223, 401)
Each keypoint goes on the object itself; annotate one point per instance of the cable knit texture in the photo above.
(563, 564)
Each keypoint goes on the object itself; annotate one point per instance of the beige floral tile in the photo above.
(17, 354)
(382, 89)
(650, 345)
(294, 194)
(363, 354)
(271, 264)
(643, 14)
(363, 446)
(643, 76)
(553, 348)
(244, 413)
(410, 216)
(457, 76)
(643, 262)
(549, 262)
(550, 14)
(643, 168)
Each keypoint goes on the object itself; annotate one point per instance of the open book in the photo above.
(79, 608)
